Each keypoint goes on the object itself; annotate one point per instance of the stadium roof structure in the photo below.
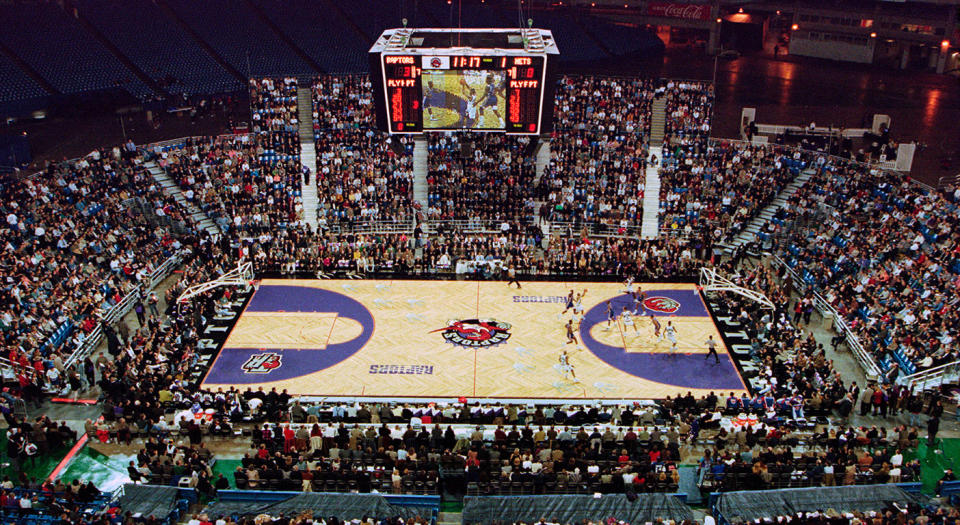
(427, 41)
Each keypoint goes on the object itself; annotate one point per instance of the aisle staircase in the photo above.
(308, 155)
(650, 225)
(658, 121)
(749, 234)
(170, 188)
(421, 189)
(543, 159)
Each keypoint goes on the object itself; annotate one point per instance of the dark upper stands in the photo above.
(373, 16)
(16, 84)
(62, 52)
(240, 37)
(74, 50)
(337, 49)
(168, 55)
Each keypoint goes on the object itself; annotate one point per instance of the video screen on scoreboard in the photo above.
(464, 99)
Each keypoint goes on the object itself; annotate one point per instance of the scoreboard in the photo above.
(420, 89)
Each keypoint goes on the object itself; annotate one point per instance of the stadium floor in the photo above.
(447, 339)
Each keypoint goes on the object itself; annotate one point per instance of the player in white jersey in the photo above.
(627, 318)
(471, 117)
(578, 304)
(566, 368)
(628, 284)
(671, 332)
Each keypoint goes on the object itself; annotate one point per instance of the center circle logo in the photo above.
(475, 333)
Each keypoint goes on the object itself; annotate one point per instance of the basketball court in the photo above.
(446, 339)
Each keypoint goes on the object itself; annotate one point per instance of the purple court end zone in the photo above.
(673, 369)
(229, 365)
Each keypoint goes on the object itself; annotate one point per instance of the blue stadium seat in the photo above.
(166, 54)
(234, 31)
(62, 52)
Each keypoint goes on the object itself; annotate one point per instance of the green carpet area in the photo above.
(37, 468)
(226, 467)
(933, 461)
(451, 506)
(106, 472)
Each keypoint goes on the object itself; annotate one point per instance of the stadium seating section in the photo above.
(211, 47)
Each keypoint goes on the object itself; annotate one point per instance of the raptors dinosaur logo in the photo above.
(661, 304)
(475, 333)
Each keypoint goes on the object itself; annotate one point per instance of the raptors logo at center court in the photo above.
(475, 333)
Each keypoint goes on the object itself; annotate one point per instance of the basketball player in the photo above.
(628, 284)
(512, 277)
(429, 95)
(483, 119)
(571, 336)
(656, 328)
(578, 305)
(637, 302)
(566, 367)
(671, 333)
(490, 99)
(570, 297)
(627, 320)
(471, 117)
(611, 316)
(712, 350)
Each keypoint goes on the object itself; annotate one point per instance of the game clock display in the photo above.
(480, 93)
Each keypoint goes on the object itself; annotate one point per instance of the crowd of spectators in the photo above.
(717, 187)
(222, 177)
(598, 152)
(796, 381)
(78, 237)
(883, 252)
(885, 255)
(362, 174)
(273, 107)
(303, 518)
(891, 514)
(73, 503)
(480, 178)
(721, 187)
(689, 111)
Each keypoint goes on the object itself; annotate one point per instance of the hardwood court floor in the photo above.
(393, 339)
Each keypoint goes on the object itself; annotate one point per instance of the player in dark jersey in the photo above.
(637, 302)
(571, 336)
(611, 316)
(430, 95)
(490, 96)
(569, 302)
(656, 328)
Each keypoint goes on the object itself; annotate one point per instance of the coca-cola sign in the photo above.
(673, 10)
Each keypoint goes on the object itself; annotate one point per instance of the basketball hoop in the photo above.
(241, 276)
